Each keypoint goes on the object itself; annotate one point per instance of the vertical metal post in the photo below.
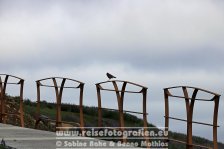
(166, 94)
(3, 99)
(21, 104)
(81, 106)
(58, 101)
(215, 121)
(58, 105)
(38, 104)
(120, 107)
(144, 93)
(99, 106)
(189, 120)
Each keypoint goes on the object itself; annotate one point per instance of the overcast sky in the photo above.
(156, 43)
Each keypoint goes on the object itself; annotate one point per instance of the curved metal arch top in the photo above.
(7, 76)
(124, 82)
(3, 86)
(58, 92)
(62, 78)
(199, 89)
(190, 101)
(11, 76)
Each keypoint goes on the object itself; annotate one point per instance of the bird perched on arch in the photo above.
(110, 76)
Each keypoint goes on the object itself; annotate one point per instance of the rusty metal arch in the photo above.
(189, 101)
(120, 100)
(58, 92)
(3, 85)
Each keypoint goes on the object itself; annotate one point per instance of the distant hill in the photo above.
(71, 113)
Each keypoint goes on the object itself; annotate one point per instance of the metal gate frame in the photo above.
(3, 85)
(120, 101)
(189, 101)
(58, 92)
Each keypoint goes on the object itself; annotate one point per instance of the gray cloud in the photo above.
(81, 32)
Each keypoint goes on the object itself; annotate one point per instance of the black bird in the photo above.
(110, 76)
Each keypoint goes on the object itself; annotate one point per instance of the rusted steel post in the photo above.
(21, 104)
(166, 94)
(99, 106)
(38, 104)
(189, 120)
(81, 106)
(3, 99)
(58, 100)
(120, 108)
(120, 105)
(144, 93)
(215, 121)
